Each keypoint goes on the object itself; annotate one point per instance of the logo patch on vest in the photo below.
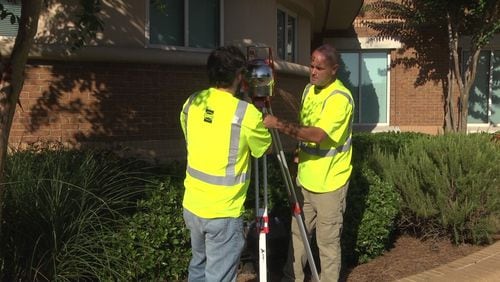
(209, 115)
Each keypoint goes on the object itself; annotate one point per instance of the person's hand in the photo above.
(270, 121)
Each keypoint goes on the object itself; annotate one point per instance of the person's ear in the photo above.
(335, 68)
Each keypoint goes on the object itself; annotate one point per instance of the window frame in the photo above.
(186, 46)
(293, 15)
(359, 53)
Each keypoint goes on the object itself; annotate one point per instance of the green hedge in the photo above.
(154, 240)
(372, 203)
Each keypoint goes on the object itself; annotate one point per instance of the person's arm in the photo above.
(301, 133)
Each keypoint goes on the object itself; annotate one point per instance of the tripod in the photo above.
(262, 213)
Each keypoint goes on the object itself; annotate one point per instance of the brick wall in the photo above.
(418, 75)
(131, 107)
(413, 104)
(114, 104)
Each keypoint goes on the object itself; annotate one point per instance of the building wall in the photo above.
(416, 94)
(250, 23)
(115, 104)
(133, 108)
(414, 107)
(120, 93)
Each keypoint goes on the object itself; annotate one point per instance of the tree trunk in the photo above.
(468, 80)
(449, 112)
(449, 121)
(465, 79)
(13, 79)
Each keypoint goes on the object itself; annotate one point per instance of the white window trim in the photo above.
(186, 31)
(388, 101)
(289, 13)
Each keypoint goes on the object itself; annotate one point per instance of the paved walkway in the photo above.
(483, 266)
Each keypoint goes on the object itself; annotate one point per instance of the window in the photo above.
(286, 41)
(6, 27)
(189, 23)
(484, 99)
(366, 75)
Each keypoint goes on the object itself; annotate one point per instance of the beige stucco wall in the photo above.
(245, 22)
(304, 41)
(305, 11)
(250, 22)
(124, 23)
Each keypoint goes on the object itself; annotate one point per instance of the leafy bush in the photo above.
(155, 239)
(84, 215)
(372, 207)
(449, 186)
(59, 208)
(372, 203)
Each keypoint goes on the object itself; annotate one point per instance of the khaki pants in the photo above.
(322, 212)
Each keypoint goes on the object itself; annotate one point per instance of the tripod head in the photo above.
(260, 75)
(260, 79)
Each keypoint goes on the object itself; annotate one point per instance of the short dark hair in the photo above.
(223, 65)
(330, 53)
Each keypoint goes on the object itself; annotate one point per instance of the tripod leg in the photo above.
(263, 226)
(293, 198)
(256, 186)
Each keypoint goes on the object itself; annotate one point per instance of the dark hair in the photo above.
(223, 65)
(330, 53)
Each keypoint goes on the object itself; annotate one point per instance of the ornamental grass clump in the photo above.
(60, 209)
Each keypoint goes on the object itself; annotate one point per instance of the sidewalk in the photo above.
(482, 266)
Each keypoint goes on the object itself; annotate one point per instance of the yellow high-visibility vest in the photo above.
(326, 166)
(221, 133)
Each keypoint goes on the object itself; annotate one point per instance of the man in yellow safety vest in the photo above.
(324, 163)
(221, 133)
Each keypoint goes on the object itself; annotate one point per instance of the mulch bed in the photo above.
(408, 256)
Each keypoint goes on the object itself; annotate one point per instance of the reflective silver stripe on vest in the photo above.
(186, 110)
(316, 151)
(230, 178)
(304, 94)
(234, 143)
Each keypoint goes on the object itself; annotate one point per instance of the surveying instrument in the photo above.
(260, 84)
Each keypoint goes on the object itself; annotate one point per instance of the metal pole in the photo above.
(296, 209)
(264, 226)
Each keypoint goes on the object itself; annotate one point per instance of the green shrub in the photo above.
(372, 203)
(155, 239)
(59, 208)
(369, 220)
(449, 186)
(364, 142)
